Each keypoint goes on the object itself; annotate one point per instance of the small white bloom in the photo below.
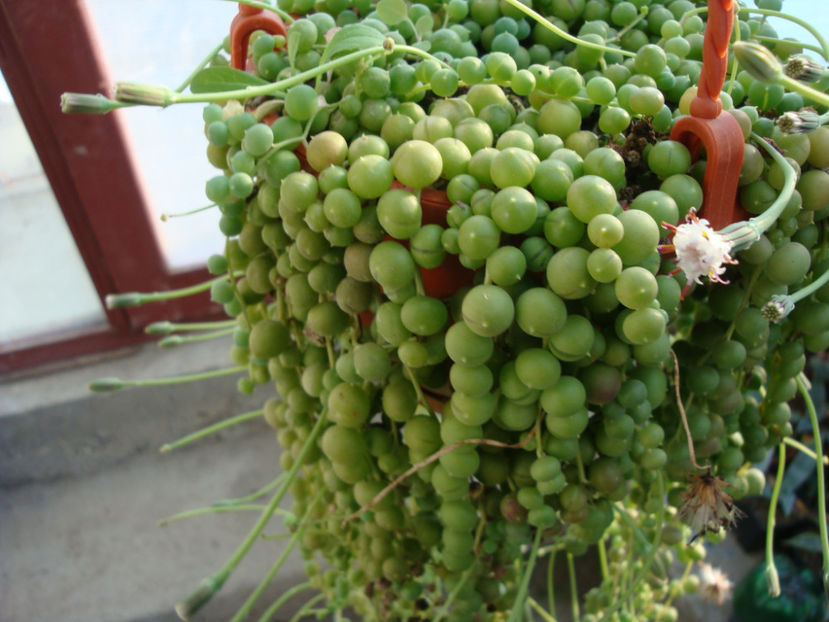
(714, 583)
(777, 308)
(701, 251)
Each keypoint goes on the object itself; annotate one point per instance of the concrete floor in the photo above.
(82, 487)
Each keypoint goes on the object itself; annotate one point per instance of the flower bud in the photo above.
(118, 301)
(159, 328)
(145, 94)
(772, 580)
(104, 385)
(758, 61)
(84, 103)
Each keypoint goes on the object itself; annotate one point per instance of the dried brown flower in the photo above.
(706, 507)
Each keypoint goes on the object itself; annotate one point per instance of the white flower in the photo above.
(700, 251)
(777, 308)
(714, 583)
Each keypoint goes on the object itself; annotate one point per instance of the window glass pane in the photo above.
(161, 42)
(46, 287)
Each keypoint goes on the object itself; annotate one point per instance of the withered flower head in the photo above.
(706, 506)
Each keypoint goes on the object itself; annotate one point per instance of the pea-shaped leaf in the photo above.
(392, 12)
(424, 25)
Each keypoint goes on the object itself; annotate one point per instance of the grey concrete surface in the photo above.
(52, 426)
(82, 487)
(89, 548)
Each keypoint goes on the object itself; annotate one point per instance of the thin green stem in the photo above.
(540, 610)
(651, 554)
(643, 13)
(418, 390)
(580, 466)
(214, 582)
(804, 449)
(152, 95)
(171, 341)
(772, 578)
(415, 51)
(551, 593)
(602, 559)
(306, 608)
(821, 484)
(804, 89)
(244, 610)
(574, 590)
(563, 33)
(523, 586)
(805, 46)
(283, 598)
(102, 385)
(164, 328)
(132, 299)
(419, 284)
(685, 574)
(450, 598)
(212, 429)
(165, 217)
(824, 51)
(210, 510)
(204, 62)
(769, 12)
(252, 496)
(744, 233)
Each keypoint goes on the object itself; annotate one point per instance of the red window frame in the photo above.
(48, 48)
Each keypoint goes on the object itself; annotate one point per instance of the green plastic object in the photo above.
(801, 598)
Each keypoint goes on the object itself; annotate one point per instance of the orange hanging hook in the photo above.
(247, 20)
(709, 126)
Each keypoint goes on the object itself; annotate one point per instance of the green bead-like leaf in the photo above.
(392, 12)
(424, 25)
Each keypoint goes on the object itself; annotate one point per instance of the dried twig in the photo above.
(427, 461)
(681, 409)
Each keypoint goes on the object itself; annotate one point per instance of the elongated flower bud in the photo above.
(85, 103)
(758, 61)
(104, 385)
(144, 94)
(118, 301)
(801, 67)
(772, 581)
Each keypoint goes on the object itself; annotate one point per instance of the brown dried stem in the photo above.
(681, 409)
(427, 461)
